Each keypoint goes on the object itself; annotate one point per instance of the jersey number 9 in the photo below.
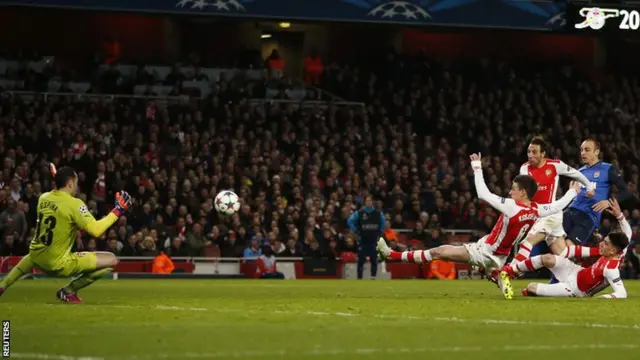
(46, 236)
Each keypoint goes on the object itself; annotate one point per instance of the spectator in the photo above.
(253, 250)
(113, 245)
(420, 234)
(278, 247)
(267, 265)
(178, 248)
(148, 247)
(291, 250)
(13, 220)
(131, 248)
(8, 246)
(197, 240)
(435, 239)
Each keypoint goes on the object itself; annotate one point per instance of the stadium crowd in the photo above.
(301, 171)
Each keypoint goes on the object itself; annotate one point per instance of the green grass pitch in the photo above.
(314, 319)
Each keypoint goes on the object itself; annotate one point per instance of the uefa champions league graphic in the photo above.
(220, 5)
(400, 9)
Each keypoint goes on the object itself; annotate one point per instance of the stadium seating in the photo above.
(303, 167)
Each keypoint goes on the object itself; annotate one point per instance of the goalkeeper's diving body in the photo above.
(60, 216)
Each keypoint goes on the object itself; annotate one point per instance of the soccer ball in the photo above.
(227, 202)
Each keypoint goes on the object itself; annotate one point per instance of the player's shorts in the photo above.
(578, 226)
(482, 255)
(550, 225)
(73, 264)
(567, 274)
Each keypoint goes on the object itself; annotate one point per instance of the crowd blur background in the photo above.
(301, 152)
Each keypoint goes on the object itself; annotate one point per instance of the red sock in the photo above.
(396, 255)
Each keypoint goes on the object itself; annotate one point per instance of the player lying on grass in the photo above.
(60, 216)
(518, 215)
(574, 280)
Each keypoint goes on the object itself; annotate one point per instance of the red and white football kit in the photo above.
(547, 176)
(576, 281)
(512, 226)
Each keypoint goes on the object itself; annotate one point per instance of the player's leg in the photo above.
(548, 290)
(362, 258)
(90, 266)
(444, 252)
(524, 249)
(373, 257)
(558, 244)
(582, 227)
(25, 266)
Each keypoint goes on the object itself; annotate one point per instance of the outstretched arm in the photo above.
(614, 209)
(85, 221)
(614, 279)
(504, 205)
(558, 206)
(568, 171)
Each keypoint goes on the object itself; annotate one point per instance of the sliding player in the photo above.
(574, 280)
(490, 252)
(60, 215)
(546, 172)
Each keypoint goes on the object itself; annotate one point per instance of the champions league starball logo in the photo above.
(399, 9)
(220, 5)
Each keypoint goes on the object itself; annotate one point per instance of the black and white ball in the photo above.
(227, 203)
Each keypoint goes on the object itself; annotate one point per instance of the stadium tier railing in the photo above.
(239, 259)
(29, 96)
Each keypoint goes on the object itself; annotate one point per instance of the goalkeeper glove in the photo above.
(123, 202)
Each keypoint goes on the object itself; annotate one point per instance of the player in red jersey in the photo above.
(546, 172)
(518, 215)
(574, 280)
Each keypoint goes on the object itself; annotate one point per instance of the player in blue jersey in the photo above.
(583, 215)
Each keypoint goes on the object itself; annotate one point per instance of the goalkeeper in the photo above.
(60, 216)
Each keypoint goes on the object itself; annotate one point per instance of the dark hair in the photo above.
(619, 240)
(63, 175)
(526, 183)
(595, 142)
(538, 140)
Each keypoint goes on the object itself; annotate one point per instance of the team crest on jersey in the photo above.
(547, 172)
(596, 174)
(83, 210)
(365, 216)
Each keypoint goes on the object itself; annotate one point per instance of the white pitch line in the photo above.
(52, 357)
(162, 307)
(393, 317)
(342, 352)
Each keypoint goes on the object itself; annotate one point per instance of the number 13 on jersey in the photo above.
(44, 230)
